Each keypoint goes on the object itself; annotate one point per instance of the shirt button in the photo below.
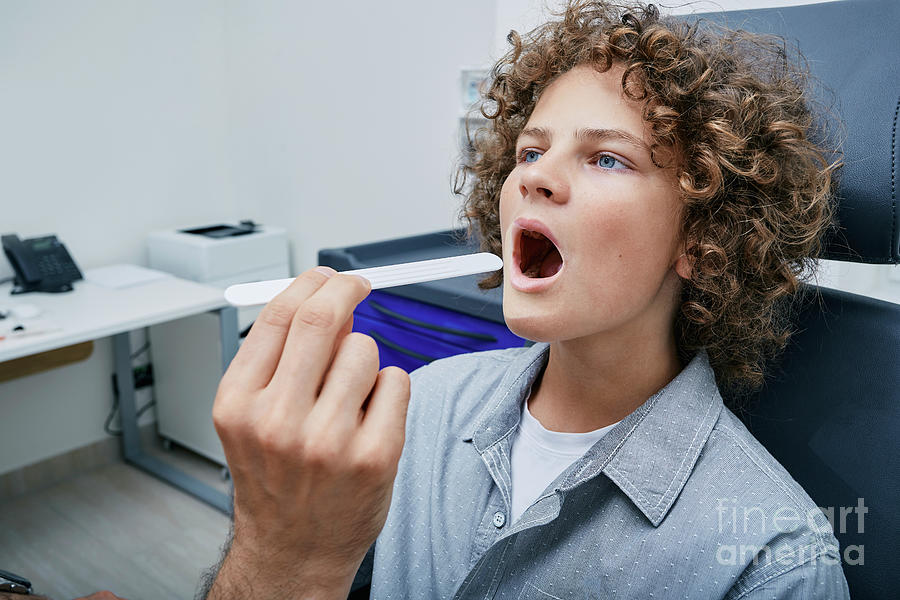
(499, 519)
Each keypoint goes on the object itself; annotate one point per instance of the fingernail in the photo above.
(367, 281)
(326, 271)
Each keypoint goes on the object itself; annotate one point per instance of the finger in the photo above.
(347, 328)
(384, 422)
(348, 382)
(257, 359)
(313, 334)
(344, 332)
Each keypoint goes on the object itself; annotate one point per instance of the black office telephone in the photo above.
(41, 264)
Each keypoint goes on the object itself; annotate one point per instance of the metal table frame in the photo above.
(132, 448)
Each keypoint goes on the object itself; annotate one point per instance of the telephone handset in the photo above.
(41, 264)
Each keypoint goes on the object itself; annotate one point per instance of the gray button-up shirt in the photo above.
(677, 501)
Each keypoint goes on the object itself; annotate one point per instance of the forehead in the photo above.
(585, 98)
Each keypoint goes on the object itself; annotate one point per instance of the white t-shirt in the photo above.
(540, 455)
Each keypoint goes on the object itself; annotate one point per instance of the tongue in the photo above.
(551, 264)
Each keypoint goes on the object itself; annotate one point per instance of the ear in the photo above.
(684, 265)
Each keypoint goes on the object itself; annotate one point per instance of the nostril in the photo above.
(544, 192)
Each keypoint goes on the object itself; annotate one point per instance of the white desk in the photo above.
(91, 312)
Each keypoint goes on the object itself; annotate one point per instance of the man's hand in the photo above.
(312, 432)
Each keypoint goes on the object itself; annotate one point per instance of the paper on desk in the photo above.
(123, 276)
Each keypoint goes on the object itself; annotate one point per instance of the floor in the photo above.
(116, 528)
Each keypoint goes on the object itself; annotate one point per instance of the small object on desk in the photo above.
(261, 292)
(41, 264)
(123, 276)
(26, 320)
(25, 311)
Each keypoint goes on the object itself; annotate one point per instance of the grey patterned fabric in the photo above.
(677, 501)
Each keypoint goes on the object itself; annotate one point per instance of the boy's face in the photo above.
(584, 178)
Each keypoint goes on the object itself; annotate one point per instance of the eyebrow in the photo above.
(590, 135)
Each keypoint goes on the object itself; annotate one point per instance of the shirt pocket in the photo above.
(532, 592)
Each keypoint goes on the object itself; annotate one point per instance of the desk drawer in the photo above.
(403, 348)
(411, 333)
(438, 323)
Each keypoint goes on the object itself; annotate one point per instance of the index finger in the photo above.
(257, 358)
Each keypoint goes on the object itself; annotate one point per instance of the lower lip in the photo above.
(523, 283)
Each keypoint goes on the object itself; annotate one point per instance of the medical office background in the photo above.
(336, 121)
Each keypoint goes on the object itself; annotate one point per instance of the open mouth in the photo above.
(538, 256)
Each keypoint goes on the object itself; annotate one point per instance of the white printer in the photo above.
(186, 353)
(221, 255)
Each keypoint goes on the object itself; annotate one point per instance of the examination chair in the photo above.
(829, 410)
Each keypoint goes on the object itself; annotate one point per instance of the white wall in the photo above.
(344, 116)
(113, 120)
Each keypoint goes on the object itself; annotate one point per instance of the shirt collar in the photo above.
(648, 455)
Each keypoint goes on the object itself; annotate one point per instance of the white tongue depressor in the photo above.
(261, 292)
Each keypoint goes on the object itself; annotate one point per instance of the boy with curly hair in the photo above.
(655, 193)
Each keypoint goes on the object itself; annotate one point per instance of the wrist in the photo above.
(249, 570)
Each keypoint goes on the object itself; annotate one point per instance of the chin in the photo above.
(531, 324)
(533, 332)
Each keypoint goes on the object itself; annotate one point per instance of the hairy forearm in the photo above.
(247, 573)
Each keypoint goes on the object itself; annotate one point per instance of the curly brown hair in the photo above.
(749, 159)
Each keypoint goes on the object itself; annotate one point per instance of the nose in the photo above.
(544, 179)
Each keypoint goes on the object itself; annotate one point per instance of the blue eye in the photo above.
(607, 161)
(530, 156)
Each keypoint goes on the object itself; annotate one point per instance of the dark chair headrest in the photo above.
(853, 49)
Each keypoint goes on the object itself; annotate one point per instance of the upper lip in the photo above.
(525, 224)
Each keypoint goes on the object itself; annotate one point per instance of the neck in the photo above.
(589, 383)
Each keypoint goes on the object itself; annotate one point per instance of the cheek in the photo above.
(618, 230)
(507, 212)
(634, 236)
(507, 196)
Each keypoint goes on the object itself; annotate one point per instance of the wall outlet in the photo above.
(143, 377)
